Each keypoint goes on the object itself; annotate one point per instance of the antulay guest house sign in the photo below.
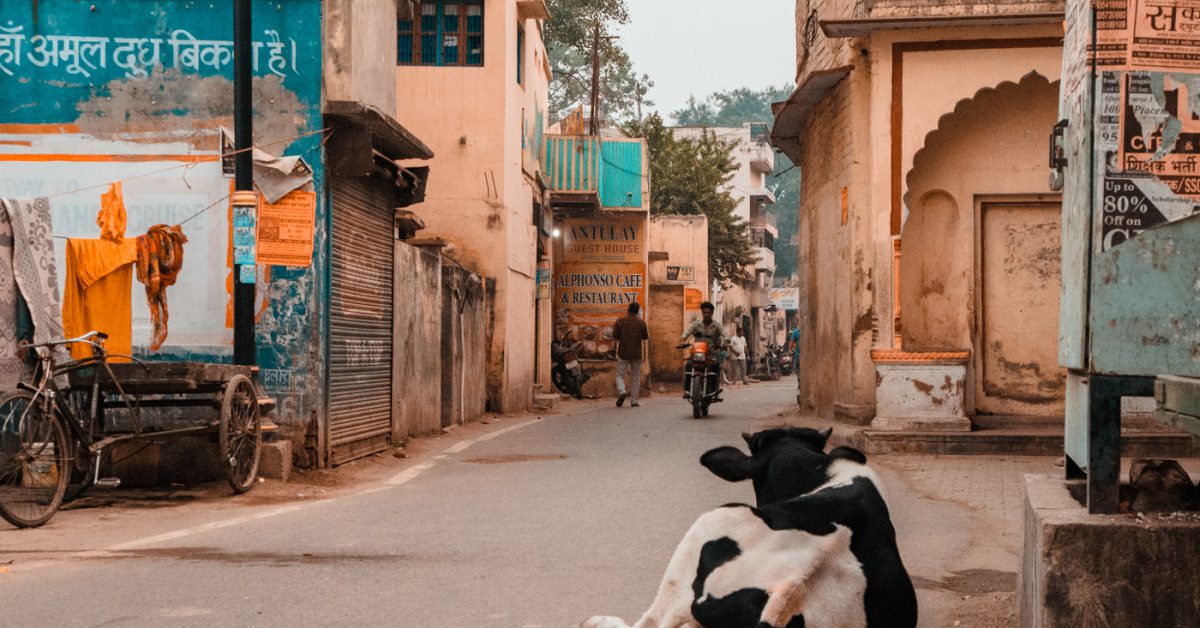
(601, 271)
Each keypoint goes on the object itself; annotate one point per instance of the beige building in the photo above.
(472, 81)
(929, 236)
(743, 304)
(679, 283)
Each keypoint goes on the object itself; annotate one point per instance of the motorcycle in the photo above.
(785, 362)
(769, 363)
(701, 378)
(566, 373)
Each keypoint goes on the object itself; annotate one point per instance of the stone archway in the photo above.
(988, 153)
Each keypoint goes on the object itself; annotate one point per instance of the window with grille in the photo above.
(443, 32)
(759, 131)
(520, 55)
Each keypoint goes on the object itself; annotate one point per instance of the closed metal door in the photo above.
(360, 326)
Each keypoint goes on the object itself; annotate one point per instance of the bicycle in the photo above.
(49, 445)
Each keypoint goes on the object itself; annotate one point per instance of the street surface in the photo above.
(522, 522)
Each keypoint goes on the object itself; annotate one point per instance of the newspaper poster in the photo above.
(1165, 35)
(1112, 33)
(1158, 35)
(285, 230)
(589, 298)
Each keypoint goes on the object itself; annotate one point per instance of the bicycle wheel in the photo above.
(240, 433)
(34, 465)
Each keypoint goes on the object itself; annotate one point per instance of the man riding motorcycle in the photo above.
(706, 330)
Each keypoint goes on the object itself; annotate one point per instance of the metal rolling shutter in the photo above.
(360, 326)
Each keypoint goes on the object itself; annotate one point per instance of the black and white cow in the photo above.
(819, 550)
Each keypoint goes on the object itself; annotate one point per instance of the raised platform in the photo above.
(1030, 437)
(1105, 570)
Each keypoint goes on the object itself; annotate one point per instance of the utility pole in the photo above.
(244, 200)
(594, 125)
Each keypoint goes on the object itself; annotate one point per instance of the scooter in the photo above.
(567, 374)
(701, 378)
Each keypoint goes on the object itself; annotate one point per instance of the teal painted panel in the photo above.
(572, 163)
(622, 182)
(1145, 310)
(1075, 433)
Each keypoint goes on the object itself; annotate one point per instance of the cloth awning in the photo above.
(791, 115)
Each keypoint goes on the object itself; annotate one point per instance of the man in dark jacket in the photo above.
(629, 332)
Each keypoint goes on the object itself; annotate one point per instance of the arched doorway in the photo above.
(980, 267)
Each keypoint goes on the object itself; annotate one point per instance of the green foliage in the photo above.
(568, 36)
(690, 177)
(733, 108)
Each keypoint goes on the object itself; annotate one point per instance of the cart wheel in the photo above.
(240, 433)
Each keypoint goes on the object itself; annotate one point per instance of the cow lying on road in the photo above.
(819, 549)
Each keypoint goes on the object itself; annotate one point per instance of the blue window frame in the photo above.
(444, 33)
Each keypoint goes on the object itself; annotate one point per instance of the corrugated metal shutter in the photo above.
(360, 326)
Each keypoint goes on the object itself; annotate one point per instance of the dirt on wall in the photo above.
(167, 104)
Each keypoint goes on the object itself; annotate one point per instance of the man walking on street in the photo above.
(737, 355)
(629, 332)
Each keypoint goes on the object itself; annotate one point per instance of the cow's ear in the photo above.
(728, 463)
(825, 434)
(848, 453)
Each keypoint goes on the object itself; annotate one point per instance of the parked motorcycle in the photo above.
(566, 373)
(768, 364)
(785, 362)
(701, 378)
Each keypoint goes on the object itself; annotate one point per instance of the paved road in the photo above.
(523, 522)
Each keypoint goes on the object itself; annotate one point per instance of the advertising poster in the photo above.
(589, 298)
(681, 274)
(1148, 114)
(604, 239)
(785, 298)
(285, 230)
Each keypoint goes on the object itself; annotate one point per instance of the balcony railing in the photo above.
(765, 220)
(766, 258)
(762, 157)
(585, 172)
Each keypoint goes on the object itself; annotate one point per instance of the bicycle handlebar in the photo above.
(99, 335)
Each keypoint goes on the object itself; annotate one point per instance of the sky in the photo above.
(703, 46)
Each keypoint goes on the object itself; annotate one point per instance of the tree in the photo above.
(569, 36)
(691, 177)
(738, 106)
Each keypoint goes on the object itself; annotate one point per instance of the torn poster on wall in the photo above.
(1148, 115)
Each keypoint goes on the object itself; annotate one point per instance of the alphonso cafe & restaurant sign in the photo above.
(601, 271)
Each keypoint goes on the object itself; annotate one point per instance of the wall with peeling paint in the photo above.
(975, 230)
(417, 341)
(862, 137)
(143, 101)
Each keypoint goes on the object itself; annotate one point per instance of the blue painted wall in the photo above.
(622, 182)
(141, 85)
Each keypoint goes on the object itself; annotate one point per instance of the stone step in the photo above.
(545, 401)
(1016, 442)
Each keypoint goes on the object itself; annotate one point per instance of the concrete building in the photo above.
(743, 304)
(928, 241)
(472, 81)
(679, 283)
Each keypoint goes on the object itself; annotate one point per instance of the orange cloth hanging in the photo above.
(99, 280)
(112, 218)
(159, 260)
